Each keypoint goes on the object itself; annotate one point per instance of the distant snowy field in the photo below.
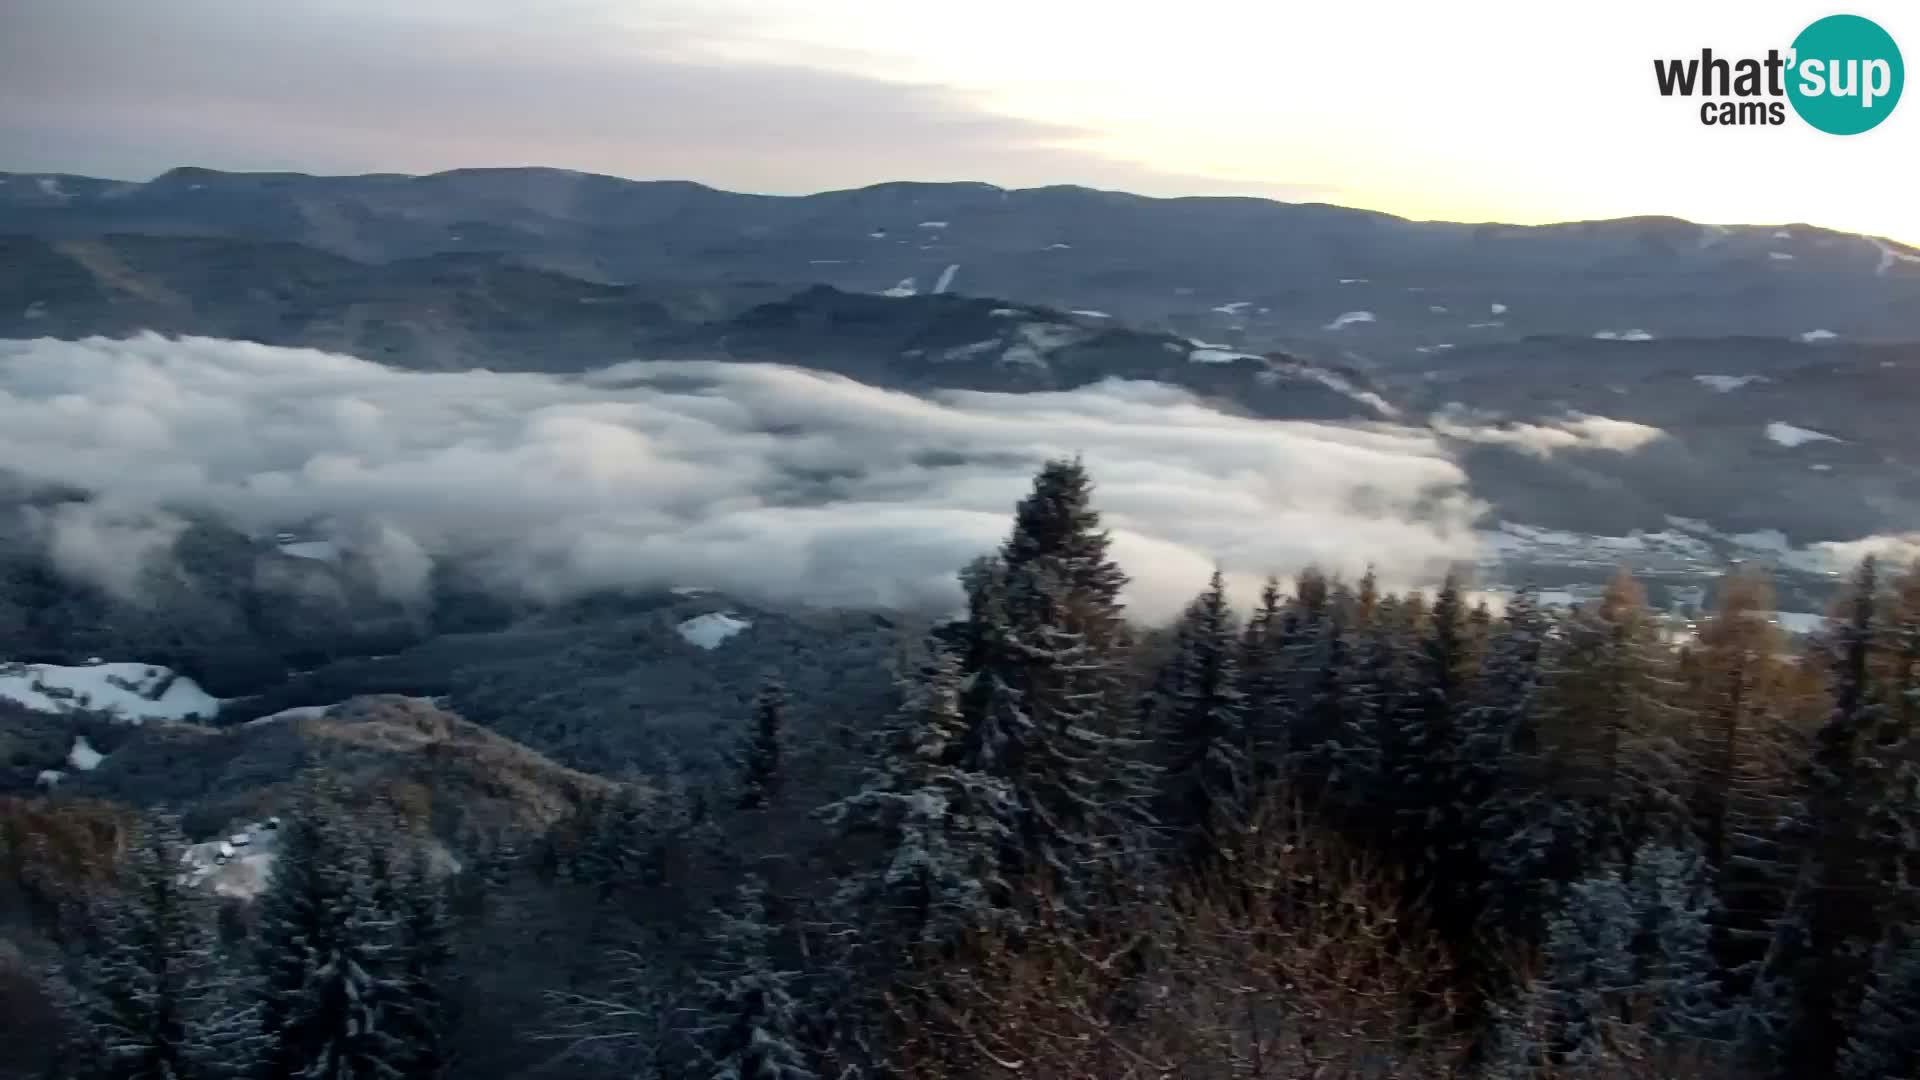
(129, 691)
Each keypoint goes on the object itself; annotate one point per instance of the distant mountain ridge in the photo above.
(1250, 272)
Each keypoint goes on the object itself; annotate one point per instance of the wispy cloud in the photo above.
(129, 89)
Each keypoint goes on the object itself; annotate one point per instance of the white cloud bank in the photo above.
(1576, 431)
(760, 479)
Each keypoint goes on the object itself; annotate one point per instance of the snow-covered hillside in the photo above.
(130, 691)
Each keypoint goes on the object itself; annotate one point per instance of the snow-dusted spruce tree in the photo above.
(1885, 1041)
(150, 1000)
(1614, 730)
(1437, 789)
(1269, 679)
(760, 756)
(1044, 698)
(1517, 829)
(1567, 1012)
(1355, 716)
(1671, 891)
(749, 1027)
(326, 960)
(936, 830)
(404, 886)
(1201, 734)
(1816, 966)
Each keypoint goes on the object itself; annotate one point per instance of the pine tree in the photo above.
(1589, 965)
(1269, 655)
(1816, 964)
(150, 999)
(418, 1007)
(1202, 736)
(938, 829)
(1047, 711)
(760, 759)
(1673, 903)
(1885, 1041)
(1523, 831)
(325, 954)
(1615, 731)
(1439, 789)
(749, 1029)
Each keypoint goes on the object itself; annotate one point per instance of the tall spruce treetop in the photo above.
(1057, 522)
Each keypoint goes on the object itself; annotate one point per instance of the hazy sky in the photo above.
(1514, 110)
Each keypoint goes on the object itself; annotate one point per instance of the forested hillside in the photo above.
(1345, 833)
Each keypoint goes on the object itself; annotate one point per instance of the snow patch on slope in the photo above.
(1788, 435)
(1888, 256)
(1818, 335)
(1622, 335)
(83, 756)
(946, 278)
(1349, 318)
(131, 692)
(709, 631)
(1218, 356)
(1726, 384)
(905, 288)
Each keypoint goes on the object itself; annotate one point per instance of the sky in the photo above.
(1503, 110)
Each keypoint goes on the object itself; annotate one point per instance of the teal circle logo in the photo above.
(1846, 75)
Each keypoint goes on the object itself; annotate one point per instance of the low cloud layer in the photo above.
(765, 480)
(1576, 431)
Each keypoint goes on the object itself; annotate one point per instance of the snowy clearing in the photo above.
(1800, 622)
(1779, 256)
(710, 630)
(1234, 308)
(1353, 281)
(1622, 335)
(933, 224)
(132, 692)
(298, 712)
(1218, 356)
(1090, 314)
(1812, 336)
(1497, 309)
(905, 288)
(239, 865)
(83, 756)
(1726, 384)
(1788, 435)
(1349, 318)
